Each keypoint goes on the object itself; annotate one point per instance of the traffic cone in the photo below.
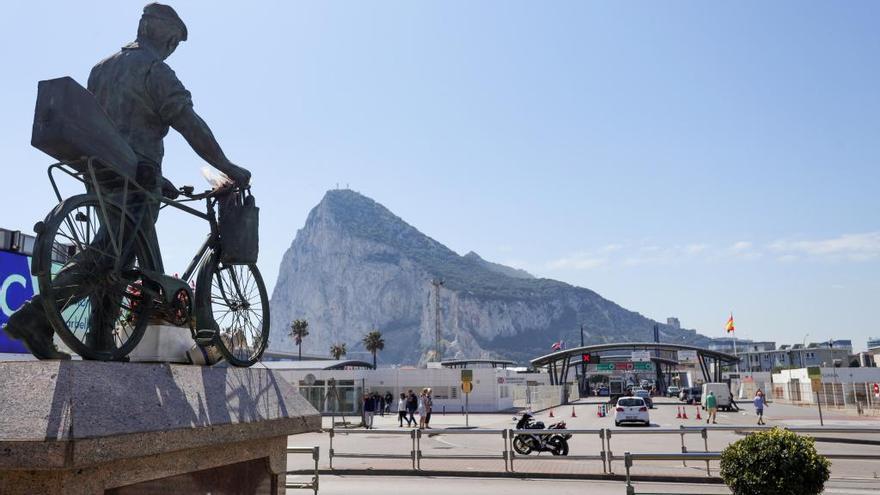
(598, 411)
(684, 413)
(678, 413)
(551, 413)
(698, 413)
(573, 415)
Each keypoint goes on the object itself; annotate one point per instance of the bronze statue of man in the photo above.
(143, 97)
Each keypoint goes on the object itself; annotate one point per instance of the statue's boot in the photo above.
(29, 325)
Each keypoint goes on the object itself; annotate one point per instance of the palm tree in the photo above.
(299, 330)
(374, 343)
(337, 351)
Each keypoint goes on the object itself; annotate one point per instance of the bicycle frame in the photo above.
(89, 178)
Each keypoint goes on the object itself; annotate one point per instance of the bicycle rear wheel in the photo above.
(87, 259)
(239, 309)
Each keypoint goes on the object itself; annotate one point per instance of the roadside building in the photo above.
(333, 387)
(764, 356)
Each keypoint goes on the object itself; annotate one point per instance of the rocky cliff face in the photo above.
(356, 266)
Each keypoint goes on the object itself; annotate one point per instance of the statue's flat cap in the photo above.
(165, 12)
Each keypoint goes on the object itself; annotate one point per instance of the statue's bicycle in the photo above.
(98, 277)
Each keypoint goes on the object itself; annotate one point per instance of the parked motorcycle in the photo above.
(556, 443)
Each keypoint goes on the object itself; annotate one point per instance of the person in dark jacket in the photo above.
(369, 411)
(389, 399)
(412, 404)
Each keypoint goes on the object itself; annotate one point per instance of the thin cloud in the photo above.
(850, 247)
(578, 261)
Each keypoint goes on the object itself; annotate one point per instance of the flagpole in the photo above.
(734, 350)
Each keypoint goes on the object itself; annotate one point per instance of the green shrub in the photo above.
(774, 462)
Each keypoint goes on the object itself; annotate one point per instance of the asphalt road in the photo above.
(346, 485)
(857, 477)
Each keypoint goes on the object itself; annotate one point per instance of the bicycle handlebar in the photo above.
(187, 191)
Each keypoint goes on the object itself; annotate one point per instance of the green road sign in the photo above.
(605, 367)
(640, 366)
(467, 375)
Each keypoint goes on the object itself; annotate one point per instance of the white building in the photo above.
(341, 390)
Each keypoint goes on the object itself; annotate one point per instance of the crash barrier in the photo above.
(308, 485)
(609, 433)
(606, 455)
(363, 455)
(704, 433)
(455, 431)
(511, 453)
(629, 457)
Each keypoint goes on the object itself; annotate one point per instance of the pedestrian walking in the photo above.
(760, 402)
(401, 410)
(412, 405)
(423, 411)
(369, 411)
(389, 399)
(712, 407)
(429, 407)
(380, 403)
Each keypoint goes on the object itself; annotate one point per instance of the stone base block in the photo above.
(85, 427)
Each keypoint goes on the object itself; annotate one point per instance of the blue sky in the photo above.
(680, 158)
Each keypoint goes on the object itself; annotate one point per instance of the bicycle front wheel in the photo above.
(239, 309)
(87, 258)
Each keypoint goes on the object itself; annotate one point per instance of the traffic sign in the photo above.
(467, 375)
(643, 366)
(877, 390)
(467, 387)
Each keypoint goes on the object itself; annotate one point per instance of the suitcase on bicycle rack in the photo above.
(69, 125)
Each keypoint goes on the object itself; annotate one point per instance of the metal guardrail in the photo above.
(457, 431)
(511, 454)
(362, 455)
(311, 485)
(629, 457)
(605, 455)
(650, 431)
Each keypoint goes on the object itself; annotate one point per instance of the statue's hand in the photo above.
(240, 176)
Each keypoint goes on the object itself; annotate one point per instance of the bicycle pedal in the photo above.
(205, 337)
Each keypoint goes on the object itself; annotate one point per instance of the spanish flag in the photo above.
(729, 327)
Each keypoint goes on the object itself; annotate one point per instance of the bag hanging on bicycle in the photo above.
(239, 228)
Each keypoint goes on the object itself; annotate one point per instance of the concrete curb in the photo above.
(516, 475)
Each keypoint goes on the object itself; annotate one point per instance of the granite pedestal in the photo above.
(88, 427)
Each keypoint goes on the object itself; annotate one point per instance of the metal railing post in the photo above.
(705, 434)
(627, 460)
(609, 456)
(683, 447)
(316, 454)
(331, 448)
(416, 449)
(506, 450)
(510, 452)
(602, 452)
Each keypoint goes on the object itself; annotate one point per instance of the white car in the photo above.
(631, 410)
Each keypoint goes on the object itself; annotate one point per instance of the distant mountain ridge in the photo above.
(497, 267)
(356, 266)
